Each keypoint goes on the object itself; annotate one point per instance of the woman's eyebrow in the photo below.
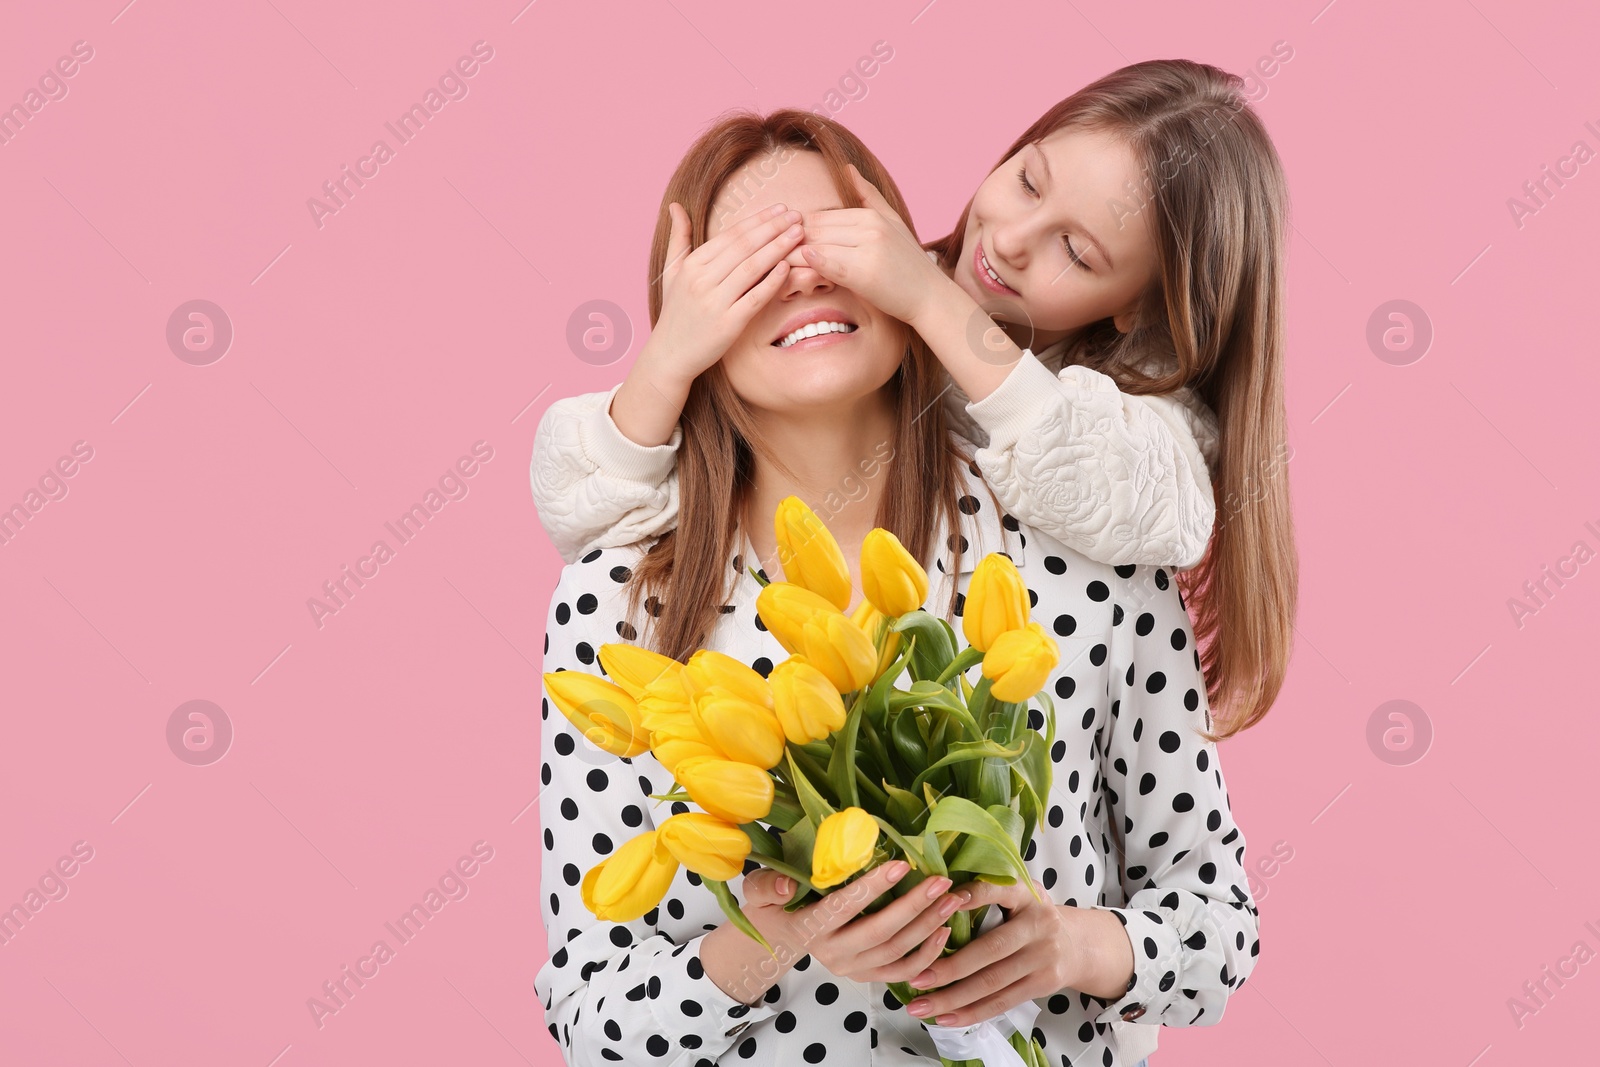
(1073, 223)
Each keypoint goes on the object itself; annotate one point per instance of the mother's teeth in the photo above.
(813, 329)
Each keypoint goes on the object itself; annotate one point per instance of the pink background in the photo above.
(431, 313)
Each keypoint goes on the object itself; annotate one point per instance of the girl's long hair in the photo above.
(1218, 204)
(684, 579)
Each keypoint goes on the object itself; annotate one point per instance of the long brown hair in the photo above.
(684, 578)
(1219, 204)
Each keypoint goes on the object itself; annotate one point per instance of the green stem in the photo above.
(812, 771)
(963, 661)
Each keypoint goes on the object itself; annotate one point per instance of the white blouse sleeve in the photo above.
(592, 485)
(612, 992)
(1190, 917)
(1118, 477)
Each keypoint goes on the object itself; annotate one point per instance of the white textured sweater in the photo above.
(1121, 479)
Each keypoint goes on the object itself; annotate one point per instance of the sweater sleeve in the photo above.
(592, 485)
(1192, 922)
(1118, 477)
(612, 992)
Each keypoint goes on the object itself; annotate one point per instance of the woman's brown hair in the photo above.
(1219, 207)
(684, 578)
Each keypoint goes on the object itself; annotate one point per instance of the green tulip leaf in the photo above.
(936, 649)
(963, 751)
(959, 813)
(815, 806)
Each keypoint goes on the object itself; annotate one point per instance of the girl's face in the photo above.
(835, 367)
(1055, 240)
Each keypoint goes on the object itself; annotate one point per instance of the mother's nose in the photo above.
(803, 279)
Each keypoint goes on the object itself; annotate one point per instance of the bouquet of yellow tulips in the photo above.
(826, 767)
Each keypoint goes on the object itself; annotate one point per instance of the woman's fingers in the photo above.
(904, 968)
(766, 886)
(844, 904)
(677, 234)
(868, 935)
(935, 907)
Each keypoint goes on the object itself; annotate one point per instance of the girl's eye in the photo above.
(1077, 260)
(1022, 176)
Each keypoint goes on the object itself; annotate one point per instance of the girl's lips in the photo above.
(982, 275)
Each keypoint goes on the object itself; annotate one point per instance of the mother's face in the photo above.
(768, 366)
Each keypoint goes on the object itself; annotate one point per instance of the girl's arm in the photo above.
(612, 992)
(1189, 915)
(595, 487)
(1121, 478)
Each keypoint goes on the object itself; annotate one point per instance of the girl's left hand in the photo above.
(1035, 953)
(870, 251)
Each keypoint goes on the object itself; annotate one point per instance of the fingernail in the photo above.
(917, 1007)
(966, 896)
(937, 886)
(921, 981)
(946, 1020)
(898, 869)
(948, 908)
(783, 884)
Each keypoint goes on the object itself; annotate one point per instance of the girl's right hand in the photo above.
(710, 294)
(869, 948)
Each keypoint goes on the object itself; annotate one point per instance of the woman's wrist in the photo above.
(739, 966)
(1098, 952)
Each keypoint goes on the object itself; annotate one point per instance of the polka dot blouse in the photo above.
(1138, 823)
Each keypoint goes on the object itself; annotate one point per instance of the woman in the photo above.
(1149, 914)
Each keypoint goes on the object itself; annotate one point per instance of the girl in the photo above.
(1146, 911)
(1133, 237)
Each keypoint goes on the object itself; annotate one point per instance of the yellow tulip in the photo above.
(997, 601)
(705, 844)
(809, 555)
(890, 577)
(603, 712)
(844, 845)
(807, 704)
(870, 619)
(807, 625)
(734, 792)
(742, 731)
(784, 608)
(708, 667)
(636, 669)
(1019, 663)
(630, 881)
(671, 751)
(839, 649)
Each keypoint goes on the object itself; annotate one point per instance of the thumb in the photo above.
(980, 893)
(767, 886)
(871, 197)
